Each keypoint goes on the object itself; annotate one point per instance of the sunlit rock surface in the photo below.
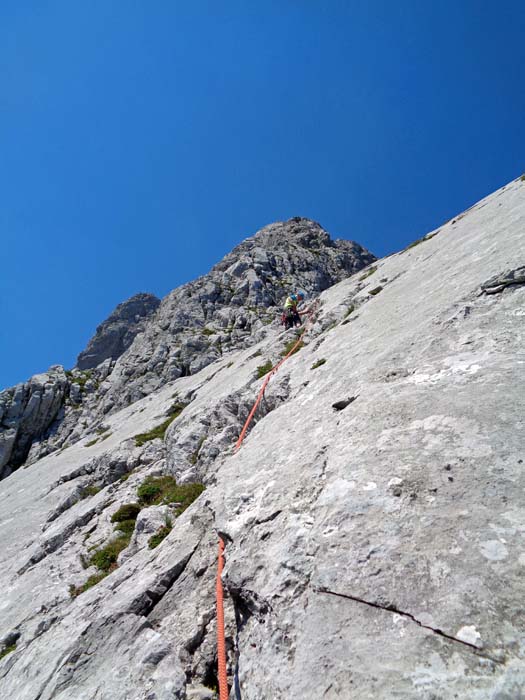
(373, 518)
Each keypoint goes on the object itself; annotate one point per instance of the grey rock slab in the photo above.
(372, 552)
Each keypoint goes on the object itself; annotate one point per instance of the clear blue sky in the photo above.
(140, 141)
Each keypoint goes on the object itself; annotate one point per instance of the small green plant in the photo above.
(230, 364)
(422, 240)
(208, 331)
(81, 379)
(522, 178)
(161, 534)
(75, 591)
(318, 363)
(105, 559)
(290, 346)
(349, 311)
(368, 273)
(262, 370)
(129, 511)
(164, 489)
(89, 491)
(176, 409)
(91, 442)
(127, 527)
(102, 429)
(159, 431)
(195, 455)
(7, 650)
(375, 291)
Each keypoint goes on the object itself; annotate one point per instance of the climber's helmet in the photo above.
(301, 295)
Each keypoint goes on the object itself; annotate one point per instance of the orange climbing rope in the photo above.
(221, 637)
(269, 376)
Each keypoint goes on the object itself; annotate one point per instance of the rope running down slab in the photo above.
(221, 635)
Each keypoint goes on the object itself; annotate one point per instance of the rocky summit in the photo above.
(374, 516)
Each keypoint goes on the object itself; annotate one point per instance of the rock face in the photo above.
(373, 517)
(26, 412)
(233, 306)
(118, 331)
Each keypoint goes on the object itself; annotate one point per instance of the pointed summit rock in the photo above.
(117, 332)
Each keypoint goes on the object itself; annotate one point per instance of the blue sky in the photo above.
(140, 141)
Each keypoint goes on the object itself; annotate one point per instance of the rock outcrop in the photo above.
(118, 331)
(236, 304)
(373, 517)
(26, 412)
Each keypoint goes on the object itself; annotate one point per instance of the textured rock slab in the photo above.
(374, 551)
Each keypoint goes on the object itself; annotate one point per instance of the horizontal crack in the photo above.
(392, 608)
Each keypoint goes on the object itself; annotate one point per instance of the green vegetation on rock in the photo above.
(318, 363)
(75, 591)
(7, 650)
(156, 490)
(105, 559)
(368, 273)
(161, 534)
(262, 370)
(129, 511)
(290, 346)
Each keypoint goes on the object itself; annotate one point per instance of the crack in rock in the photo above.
(392, 608)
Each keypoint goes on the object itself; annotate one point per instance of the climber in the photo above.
(291, 315)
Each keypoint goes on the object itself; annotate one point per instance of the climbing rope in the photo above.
(221, 637)
(260, 395)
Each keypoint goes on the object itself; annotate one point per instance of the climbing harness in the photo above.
(221, 637)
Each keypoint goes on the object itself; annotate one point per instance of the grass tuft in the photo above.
(159, 431)
(289, 346)
(7, 650)
(262, 370)
(156, 490)
(129, 511)
(368, 273)
(318, 363)
(161, 534)
(75, 591)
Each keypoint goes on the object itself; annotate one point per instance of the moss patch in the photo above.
(368, 273)
(262, 370)
(318, 363)
(156, 490)
(89, 491)
(129, 511)
(7, 650)
(422, 240)
(159, 431)
(105, 559)
(195, 456)
(289, 347)
(75, 591)
(161, 534)
(375, 291)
